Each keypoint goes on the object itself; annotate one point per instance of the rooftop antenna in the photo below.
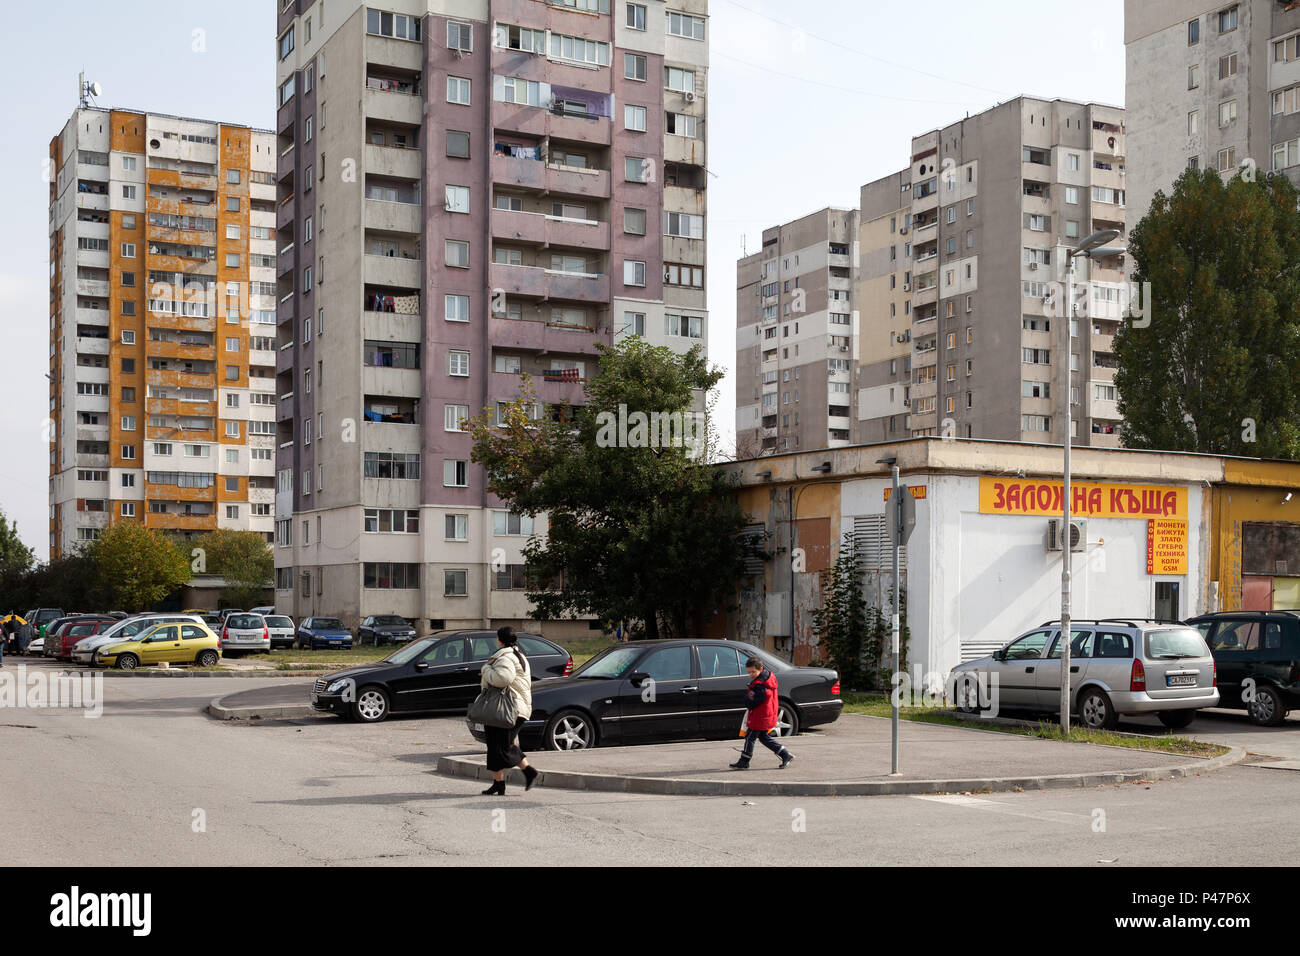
(87, 91)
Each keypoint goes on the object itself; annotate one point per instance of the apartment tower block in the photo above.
(469, 190)
(162, 325)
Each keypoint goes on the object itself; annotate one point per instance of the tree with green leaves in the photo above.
(1218, 368)
(243, 558)
(640, 527)
(139, 565)
(15, 557)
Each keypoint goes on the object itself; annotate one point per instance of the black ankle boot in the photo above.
(530, 775)
(498, 789)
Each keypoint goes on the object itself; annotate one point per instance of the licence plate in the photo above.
(248, 637)
(478, 727)
(337, 643)
(1180, 680)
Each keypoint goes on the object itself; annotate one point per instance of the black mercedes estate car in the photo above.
(435, 673)
(657, 691)
(1257, 659)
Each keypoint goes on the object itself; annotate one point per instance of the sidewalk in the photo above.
(852, 757)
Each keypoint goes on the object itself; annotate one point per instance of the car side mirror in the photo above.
(1000, 655)
(421, 666)
(637, 677)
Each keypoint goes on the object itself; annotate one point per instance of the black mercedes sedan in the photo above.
(438, 673)
(657, 691)
(385, 629)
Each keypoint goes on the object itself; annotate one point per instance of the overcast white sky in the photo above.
(807, 101)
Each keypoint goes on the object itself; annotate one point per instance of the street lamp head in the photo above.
(887, 461)
(824, 467)
(765, 474)
(1096, 240)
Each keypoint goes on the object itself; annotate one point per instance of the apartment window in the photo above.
(457, 144)
(232, 202)
(1227, 159)
(391, 576)
(128, 423)
(128, 192)
(128, 336)
(1035, 423)
(455, 473)
(454, 417)
(128, 250)
(454, 583)
(458, 363)
(1072, 229)
(685, 225)
(683, 25)
(128, 452)
(1036, 356)
(1284, 51)
(456, 308)
(636, 169)
(128, 366)
(1227, 112)
(1072, 162)
(634, 118)
(1286, 154)
(681, 124)
(128, 509)
(1228, 19)
(636, 16)
(634, 323)
(952, 214)
(460, 36)
(392, 25)
(1227, 66)
(634, 221)
(1193, 32)
(592, 52)
(456, 253)
(682, 81)
(457, 199)
(1193, 122)
(458, 90)
(1194, 76)
(634, 66)
(633, 272)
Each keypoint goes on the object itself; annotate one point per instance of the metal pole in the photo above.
(897, 501)
(1065, 523)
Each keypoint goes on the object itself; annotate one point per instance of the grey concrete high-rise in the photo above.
(469, 190)
(975, 232)
(1211, 86)
(796, 335)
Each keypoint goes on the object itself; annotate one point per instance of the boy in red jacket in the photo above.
(763, 703)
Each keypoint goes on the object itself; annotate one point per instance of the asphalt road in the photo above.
(154, 779)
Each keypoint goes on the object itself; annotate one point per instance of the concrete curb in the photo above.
(273, 712)
(285, 675)
(474, 769)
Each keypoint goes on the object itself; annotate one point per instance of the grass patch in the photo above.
(582, 649)
(877, 705)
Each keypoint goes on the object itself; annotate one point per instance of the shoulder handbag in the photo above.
(493, 707)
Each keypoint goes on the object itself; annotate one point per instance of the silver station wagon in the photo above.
(1117, 666)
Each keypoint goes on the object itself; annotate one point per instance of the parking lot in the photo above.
(155, 778)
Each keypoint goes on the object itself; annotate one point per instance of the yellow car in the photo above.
(177, 643)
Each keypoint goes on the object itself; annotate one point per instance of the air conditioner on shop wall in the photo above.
(1078, 535)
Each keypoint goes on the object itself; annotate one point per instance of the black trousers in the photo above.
(503, 746)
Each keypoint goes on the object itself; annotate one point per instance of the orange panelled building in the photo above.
(162, 326)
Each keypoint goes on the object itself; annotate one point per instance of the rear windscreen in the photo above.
(1177, 642)
(243, 622)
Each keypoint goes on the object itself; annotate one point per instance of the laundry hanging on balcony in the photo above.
(406, 304)
(561, 375)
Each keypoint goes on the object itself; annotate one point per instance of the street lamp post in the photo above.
(1090, 245)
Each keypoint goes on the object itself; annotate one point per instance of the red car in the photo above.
(74, 630)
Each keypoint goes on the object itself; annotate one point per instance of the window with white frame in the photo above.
(454, 417)
(635, 18)
(458, 363)
(455, 473)
(683, 25)
(458, 90)
(633, 272)
(460, 36)
(458, 199)
(682, 224)
(456, 527)
(456, 308)
(634, 118)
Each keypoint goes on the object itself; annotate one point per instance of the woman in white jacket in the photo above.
(508, 669)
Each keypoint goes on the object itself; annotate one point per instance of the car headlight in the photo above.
(338, 685)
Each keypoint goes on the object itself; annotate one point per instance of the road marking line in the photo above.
(994, 806)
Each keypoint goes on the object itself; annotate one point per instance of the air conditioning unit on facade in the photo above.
(902, 231)
(1078, 535)
(690, 97)
(907, 287)
(1033, 266)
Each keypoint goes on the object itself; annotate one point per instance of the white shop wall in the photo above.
(975, 581)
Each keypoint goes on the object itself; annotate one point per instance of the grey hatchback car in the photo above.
(1117, 666)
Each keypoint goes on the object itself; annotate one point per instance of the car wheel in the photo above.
(128, 662)
(787, 720)
(1266, 709)
(1176, 719)
(1097, 711)
(207, 658)
(371, 705)
(569, 730)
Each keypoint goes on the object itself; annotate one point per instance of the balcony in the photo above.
(92, 201)
(1108, 142)
(393, 105)
(88, 345)
(1112, 178)
(511, 334)
(545, 230)
(398, 217)
(180, 522)
(504, 386)
(400, 271)
(182, 350)
(395, 161)
(539, 283)
(180, 179)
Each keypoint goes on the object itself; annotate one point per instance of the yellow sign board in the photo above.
(1166, 546)
(1028, 496)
